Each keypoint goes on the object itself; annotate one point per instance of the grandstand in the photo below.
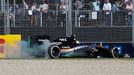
(80, 22)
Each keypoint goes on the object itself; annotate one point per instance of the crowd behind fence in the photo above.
(22, 16)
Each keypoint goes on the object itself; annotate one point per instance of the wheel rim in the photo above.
(55, 52)
(115, 52)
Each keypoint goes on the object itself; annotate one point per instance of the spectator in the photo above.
(101, 4)
(14, 10)
(96, 9)
(126, 1)
(129, 9)
(115, 13)
(120, 4)
(44, 10)
(90, 6)
(64, 1)
(25, 8)
(34, 14)
(25, 5)
(107, 9)
(115, 6)
(96, 5)
(62, 9)
(12, 19)
(79, 4)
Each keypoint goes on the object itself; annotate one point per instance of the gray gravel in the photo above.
(67, 67)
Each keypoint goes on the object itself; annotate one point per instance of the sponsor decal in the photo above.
(2, 42)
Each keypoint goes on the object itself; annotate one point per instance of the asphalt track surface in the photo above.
(67, 66)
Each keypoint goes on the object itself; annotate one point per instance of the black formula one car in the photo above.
(70, 47)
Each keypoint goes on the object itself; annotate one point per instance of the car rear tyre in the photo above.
(54, 52)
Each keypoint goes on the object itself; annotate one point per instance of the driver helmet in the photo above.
(73, 36)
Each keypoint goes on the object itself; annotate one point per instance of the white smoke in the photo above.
(36, 50)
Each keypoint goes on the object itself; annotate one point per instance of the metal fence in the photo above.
(80, 18)
(88, 25)
(99, 18)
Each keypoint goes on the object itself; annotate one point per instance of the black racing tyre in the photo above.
(54, 52)
(115, 53)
